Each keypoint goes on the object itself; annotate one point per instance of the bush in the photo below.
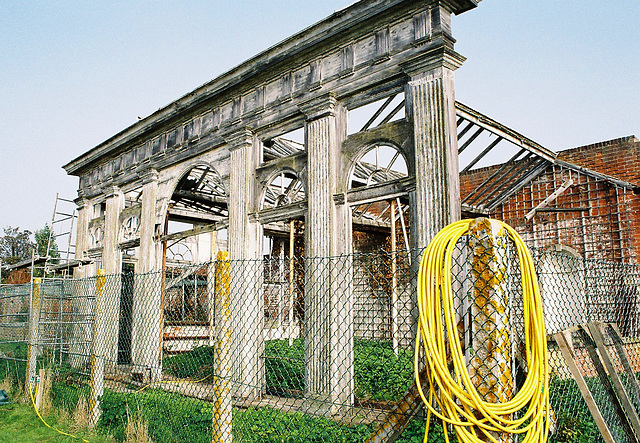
(574, 421)
(188, 420)
(379, 373)
(66, 396)
(415, 432)
(284, 366)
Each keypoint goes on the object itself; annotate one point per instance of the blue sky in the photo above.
(73, 73)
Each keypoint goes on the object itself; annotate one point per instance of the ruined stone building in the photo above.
(269, 159)
(220, 164)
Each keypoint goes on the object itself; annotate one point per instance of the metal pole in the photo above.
(394, 281)
(291, 279)
(222, 404)
(97, 350)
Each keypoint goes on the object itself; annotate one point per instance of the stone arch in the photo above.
(283, 187)
(376, 163)
(199, 189)
(376, 181)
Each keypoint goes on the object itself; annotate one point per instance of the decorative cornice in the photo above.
(111, 191)
(81, 202)
(267, 87)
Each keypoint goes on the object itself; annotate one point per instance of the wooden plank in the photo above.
(503, 131)
(627, 415)
(563, 338)
(622, 356)
(549, 199)
(401, 415)
(192, 232)
(602, 374)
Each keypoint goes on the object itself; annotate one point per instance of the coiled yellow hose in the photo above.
(452, 395)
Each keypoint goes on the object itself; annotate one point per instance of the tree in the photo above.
(44, 237)
(15, 245)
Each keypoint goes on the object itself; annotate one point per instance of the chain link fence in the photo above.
(14, 330)
(299, 349)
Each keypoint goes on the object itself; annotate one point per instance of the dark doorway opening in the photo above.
(126, 314)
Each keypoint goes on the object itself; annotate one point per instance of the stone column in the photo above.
(82, 234)
(146, 341)
(328, 294)
(80, 348)
(430, 106)
(245, 251)
(112, 263)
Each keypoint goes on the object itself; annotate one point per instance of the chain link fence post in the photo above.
(34, 317)
(222, 404)
(490, 363)
(97, 350)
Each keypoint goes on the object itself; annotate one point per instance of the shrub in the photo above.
(379, 373)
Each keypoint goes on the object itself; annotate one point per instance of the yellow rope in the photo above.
(452, 395)
(33, 402)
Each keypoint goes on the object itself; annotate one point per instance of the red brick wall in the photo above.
(607, 230)
(619, 158)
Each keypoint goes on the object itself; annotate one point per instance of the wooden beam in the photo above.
(281, 213)
(374, 193)
(565, 344)
(566, 185)
(192, 232)
(503, 131)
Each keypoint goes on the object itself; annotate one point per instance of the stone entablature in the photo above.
(355, 54)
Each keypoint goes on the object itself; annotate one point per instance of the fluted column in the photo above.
(80, 347)
(328, 294)
(111, 263)
(82, 233)
(146, 331)
(245, 251)
(430, 106)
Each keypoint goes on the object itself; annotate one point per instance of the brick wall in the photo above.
(619, 158)
(593, 216)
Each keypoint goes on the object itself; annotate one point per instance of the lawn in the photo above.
(20, 424)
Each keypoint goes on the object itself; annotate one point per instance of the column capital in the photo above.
(147, 174)
(317, 107)
(111, 190)
(238, 138)
(81, 201)
(429, 61)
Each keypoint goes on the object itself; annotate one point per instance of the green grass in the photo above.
(14, 350)
(20, 424)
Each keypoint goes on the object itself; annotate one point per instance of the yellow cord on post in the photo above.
(35, 408)
(452, 395)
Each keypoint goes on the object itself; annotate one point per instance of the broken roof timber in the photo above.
(503, 131)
